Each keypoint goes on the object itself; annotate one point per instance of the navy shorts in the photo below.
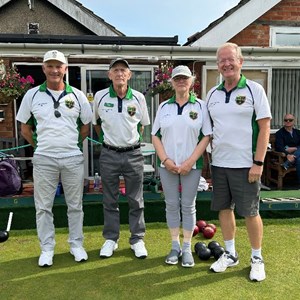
(232, 190)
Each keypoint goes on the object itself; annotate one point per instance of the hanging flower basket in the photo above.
(161, 84)
(12, 84)
(5, 99)
(166, 95)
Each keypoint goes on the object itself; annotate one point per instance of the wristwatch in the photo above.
(258, 163)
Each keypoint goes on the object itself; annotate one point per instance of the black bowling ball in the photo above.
(204, 253)
(198, 246)
(213, 244)
(3, 236)
(217, 252)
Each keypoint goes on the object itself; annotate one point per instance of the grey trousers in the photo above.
(130, 165)
(46, 173)
(180, 203)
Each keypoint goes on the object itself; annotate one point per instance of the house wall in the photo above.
(286, 13)
(7, 125)
(16, 15)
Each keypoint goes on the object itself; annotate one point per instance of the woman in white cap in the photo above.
(180, 134)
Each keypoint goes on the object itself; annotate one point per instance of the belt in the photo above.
(121, 149)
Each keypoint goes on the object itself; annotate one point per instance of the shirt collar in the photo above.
(241, 84)
(43, 87)
(113, 94)
(192, 99)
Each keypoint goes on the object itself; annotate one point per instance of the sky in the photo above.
(159, 18)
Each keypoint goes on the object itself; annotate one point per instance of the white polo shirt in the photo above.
(120, 119)
(180, 128)
(55, 137)
(234, 117)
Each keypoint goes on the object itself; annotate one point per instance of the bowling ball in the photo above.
(198, 246)
(201, 224)
(4, 235)
(204, 253)
(196, 230)
(213, 244)
(213, 226)
(208, 232)
(217, 252)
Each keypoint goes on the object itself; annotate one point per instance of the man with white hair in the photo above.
(240, 114)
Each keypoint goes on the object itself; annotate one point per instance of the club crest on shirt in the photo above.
(131, 110)
(193, 115)
(240, 99)
(69, 103)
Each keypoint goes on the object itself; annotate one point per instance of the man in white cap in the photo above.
(55, 120)
(119, 116)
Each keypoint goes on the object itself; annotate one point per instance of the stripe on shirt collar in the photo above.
(113, 94)
(192, 99)
(241, 84)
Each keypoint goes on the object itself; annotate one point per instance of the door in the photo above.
(94, 79)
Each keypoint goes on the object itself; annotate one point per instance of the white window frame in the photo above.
(206, 68)
(274, 30)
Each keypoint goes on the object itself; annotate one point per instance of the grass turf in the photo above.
(125, 277)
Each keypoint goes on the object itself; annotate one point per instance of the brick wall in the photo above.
(286, 13)
(7, 126)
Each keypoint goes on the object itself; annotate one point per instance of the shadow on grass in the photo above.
(120, 277)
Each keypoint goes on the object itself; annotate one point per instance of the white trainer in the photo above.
(139, 249)
(257, 272)
(46, 259)
(226, 260)
(108, 248)
(79, 254)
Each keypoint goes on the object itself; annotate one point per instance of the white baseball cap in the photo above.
(181, 70)
(55, 55)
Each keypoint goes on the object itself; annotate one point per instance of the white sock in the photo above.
(230, 246)
(256, 252)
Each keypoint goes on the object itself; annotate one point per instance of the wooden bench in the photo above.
(275, 173)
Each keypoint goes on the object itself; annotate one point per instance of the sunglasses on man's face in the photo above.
(288, 120)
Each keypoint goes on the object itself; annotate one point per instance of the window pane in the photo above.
(287, 39)
(285, 95)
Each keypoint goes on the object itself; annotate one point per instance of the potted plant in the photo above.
(12, 84)
(161, 83)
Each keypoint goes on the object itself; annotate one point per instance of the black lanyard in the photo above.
(56, 102)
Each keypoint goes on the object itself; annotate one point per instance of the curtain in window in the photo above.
(285, 95)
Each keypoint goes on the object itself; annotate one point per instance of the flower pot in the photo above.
(166, 95)
(5, 99)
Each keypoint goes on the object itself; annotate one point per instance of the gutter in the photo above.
(19, 50)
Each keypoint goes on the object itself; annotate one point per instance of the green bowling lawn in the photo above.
(124, 277)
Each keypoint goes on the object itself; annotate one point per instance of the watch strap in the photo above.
(258, 163)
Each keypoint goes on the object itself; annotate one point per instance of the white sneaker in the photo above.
(139, 249)
(79, 254)
(226, 260)
(46, 259)
(257, 272)
(108, 248)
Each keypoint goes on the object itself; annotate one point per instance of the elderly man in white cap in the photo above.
(55, 120)
(180, 134)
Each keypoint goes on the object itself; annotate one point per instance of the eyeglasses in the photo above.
(288, 120)
(178, 78)
(57, 114)
(223, 61)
